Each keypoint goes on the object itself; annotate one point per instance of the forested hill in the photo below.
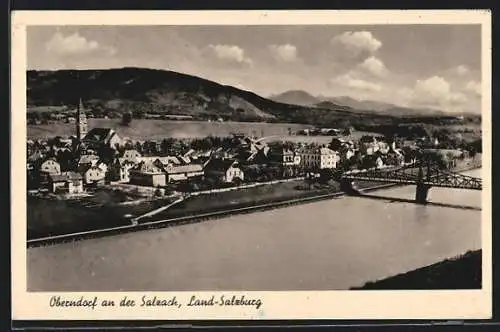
(141, 91)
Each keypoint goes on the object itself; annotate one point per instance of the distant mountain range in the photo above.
(142, 90)
(299, 97)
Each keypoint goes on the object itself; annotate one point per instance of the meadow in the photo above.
(158, 129)
(154, 129)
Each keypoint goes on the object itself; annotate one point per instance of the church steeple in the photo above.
(81, 123)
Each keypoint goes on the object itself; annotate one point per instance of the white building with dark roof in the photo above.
(224, 170)
(146, 173)
(316, 158)
(68, 182)
(97, 137)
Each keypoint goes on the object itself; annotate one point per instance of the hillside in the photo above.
(360, 104)
(296, 97)
(166, 92)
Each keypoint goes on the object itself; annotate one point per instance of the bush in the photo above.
(126, 119)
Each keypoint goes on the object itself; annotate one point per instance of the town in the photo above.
(99, 156)
(100, 164)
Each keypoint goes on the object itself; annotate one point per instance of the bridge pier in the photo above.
(422, 193)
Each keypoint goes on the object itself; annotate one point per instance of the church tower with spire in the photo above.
(81, 122)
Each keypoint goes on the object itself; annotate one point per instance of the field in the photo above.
(154, 129)
(157, 129)
(46, 108)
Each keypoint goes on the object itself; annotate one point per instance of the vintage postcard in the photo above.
(251, 165)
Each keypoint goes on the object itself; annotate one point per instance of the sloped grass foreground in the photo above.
(463, 272)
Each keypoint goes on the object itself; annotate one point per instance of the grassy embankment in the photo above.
(464, 272)
(241, 198)
(51, 216)
(48, 217)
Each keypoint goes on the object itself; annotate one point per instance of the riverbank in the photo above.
(54, 226)
(463, 272)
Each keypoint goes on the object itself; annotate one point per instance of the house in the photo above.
(284, 157)
(57, 183)
(102, 165)
(50, 166)
(383, 147)
(98, 137)
(185, 160)
(203, 160)
(119, 170)
(68, 182)
(368, 145)
(34, 159)
(316, 158)
(87, 160)
(346, 154)
(74, 182)
(190, 153)
(250, 145)
(61, 145)
(93, 175)
(224, 170)
(372, 161)
(146, 173)
(163, 160)
(183, 172)
(131, 155)
(338, 143)
(394, 157)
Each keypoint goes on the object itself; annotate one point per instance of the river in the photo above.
(327, 245)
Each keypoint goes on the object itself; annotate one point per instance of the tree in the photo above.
(158, 192)
(126, 118)
(348, 131)
(335, 144)
(166, 145)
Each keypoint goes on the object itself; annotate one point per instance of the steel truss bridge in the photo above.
(423, 174)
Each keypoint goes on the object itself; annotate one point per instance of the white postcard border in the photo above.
(459, 304)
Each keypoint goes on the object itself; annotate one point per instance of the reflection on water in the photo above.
(332, 244)
(421, 213)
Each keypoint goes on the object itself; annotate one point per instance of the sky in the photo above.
(427, 66)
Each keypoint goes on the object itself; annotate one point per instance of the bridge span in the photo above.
(422, 174)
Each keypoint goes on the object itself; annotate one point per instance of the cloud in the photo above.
(231, 53)
(434, 92)
(351, 81)
(474, 86)
(285, 53)
(374, 66)
(461, 70)
(75, 44)
(359, 41)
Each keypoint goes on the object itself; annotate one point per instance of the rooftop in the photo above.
(173, 169)
(220, 165)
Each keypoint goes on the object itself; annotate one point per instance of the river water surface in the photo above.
(327, 245)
